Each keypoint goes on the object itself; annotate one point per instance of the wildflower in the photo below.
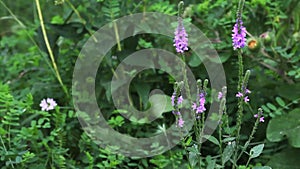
(247, 91)
(220, 95)
(239, 94)
(180, 122)
(180, 39)
(48, 104)
(179, 99)
(246, 99)
(238, 35)
(194, 106)
(201, 108)
(173, 99)
(176, 112)
(262, 119)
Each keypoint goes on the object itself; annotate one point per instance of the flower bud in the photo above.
(266, 38)
(253, 44)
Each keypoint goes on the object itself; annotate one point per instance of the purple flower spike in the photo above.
(201, 108)
(238, 35)
(180, 40)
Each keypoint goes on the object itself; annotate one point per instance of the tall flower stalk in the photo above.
(238, 42)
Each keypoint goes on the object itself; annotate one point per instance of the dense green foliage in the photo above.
(31, 138)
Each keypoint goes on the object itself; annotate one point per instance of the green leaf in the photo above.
(188, 141)
(288, 126)
(266, 109)
(271, 106)
(286, 92)
(143, 90)
(228, 151)
(2, 131)
(256, 151)
(211, 163)
(212, 139)
(287, 159)
(195, 61)
(193, 159)
(280, 101)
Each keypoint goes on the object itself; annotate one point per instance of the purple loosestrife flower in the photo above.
(48, 104)
(238, 34)
(180, 39)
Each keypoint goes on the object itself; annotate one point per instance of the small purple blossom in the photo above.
(239, 94)
(176, 113)
(194, 106)
(238, 34)
(262, 119)
(173, 99)
(180, 122)
(246, 99)
(201, 108)
(180, 39)
(48, 104)
(220, 95)
(179, 99)
(247, 91)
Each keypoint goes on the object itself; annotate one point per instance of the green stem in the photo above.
(117, 35)
(49, 48)
(4, 147)
(240, 106)
(252, 134)
(241, 70)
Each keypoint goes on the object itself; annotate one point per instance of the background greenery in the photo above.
(31, 138)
